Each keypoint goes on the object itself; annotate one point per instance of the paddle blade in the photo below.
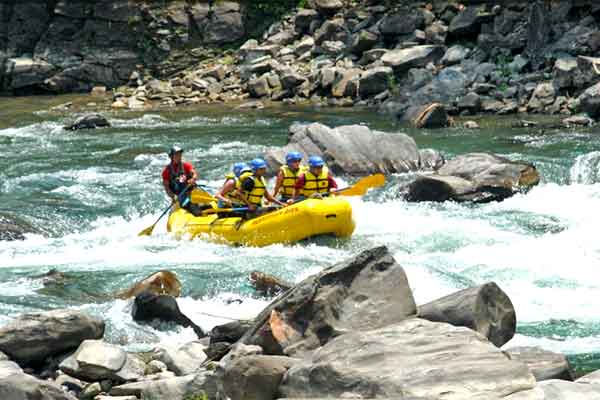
(147, 231)
(361, 187)
(200, 196)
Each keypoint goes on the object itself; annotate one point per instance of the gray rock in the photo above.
(577, 120)
(332, 30)
(589, 101)
(20, 386)
(250, 54)
(587, 72)
(564, 69)
(370, 290)
(89, 121)
(485, 309)
(353, 149)
(333, 48)
(184, 360)
(291, 80)
(402, 22)
(469, 21)
(26, 72)
(326, 7)
(94, 360)
(8, 368)
(375, 81)
(255, 377)
(430, 159)
(471, 125)
(455, 54)
(346, 83)
(436, 33)
(418, 56)
(543, 96)
(430, 116)
(155, 367)
(306, 44)
(539, 27)
(591, 378)
(31, 338)
(362, 41)
(543, 364)
(372, 55)
(282, 38)
(413, 357)
(230, 332)
(177, 388)
(471, 103)
(563, 390)
(304, 18)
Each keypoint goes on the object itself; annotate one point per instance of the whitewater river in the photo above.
(90, 192)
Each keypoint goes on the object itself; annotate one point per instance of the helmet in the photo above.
(258, 163)
(174, 150)
(315, 161)
(293, 156)
(240, 167)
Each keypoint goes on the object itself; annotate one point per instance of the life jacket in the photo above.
(256, 195)
(231, 195)
(316, 184)
(175, 178)
(289, 180)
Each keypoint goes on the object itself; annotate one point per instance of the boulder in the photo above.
(455, 54)
(268, 285)
(362, 41)
(185, 360)
(326, 7)
(20, 386)
(96, 360)
(351, 149)
(543, 96)
(230, 332)
(430, 116)
(577, 121)
(470, 103)
(430, 159)
(8, 368)
(402, 22)
(474, 177)
(539, 28)
(413, 57)
(556, 389)
(26, 73)
(31, 338)
(485, 309)
(259, 87)
(159, 283)
(332, 30)
(589, 101)
(89, 121)
(304, 18)
(149, 306)
(179, 388)
(333, 47)
(468, 22)
(370, 290)
(411, 358)
(543, 364)
(255, 377)
(591, 378)
(346, 83)
(306, 44)
(375, 81)
(291, 80)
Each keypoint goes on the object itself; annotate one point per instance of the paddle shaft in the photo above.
(149, 230)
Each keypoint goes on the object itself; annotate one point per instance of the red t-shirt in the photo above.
(187, 168)
(301, 180)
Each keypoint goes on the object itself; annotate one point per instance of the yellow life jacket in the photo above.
(232, 195)
(256, 195)
(316, 184)
(289, 179)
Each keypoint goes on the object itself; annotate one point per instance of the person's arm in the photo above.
(332, 183)
(190, 170)
(273, 199)
(228, 187)
(278, 183)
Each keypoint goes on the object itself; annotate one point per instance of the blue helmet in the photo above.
(293, 156)
(240, 167)
(258, 163)
(315, 161)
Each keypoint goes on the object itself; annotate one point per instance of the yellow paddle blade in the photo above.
(147, 231)
(360, 188)
(200, 196)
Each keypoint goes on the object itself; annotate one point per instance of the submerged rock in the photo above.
(365, 292)
(148, 306)
(31, 338)
(90, 121)
(411, 358)
(429, 116)
(350, 149)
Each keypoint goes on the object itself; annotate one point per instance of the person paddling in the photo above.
(179, 176)
(253, 187)
(228, 195)
(316, 182)
(287, 176)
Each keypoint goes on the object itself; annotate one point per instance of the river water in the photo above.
(90, 192)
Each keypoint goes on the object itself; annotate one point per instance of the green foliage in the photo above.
(502, 62)
(502, 87)
(198, 396)
(393, 85)
(262, 13)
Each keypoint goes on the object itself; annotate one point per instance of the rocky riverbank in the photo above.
(513, 57)
(351, 331)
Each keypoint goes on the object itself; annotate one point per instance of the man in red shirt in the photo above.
(316, 182)
(178, 176)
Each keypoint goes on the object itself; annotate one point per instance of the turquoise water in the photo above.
(90, 192)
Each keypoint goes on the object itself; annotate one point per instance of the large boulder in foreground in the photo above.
(368, 291)
(412, 358)
(149, 306)
(475, 177)
(25, 387)
(31, 338)
(485, 309)
(351, 149)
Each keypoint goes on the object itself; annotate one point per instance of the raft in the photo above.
(308, 218)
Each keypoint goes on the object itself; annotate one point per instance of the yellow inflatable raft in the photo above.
(290, 224)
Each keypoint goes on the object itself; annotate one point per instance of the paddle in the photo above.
(362, 185)
(201, 196)
(148, 230)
